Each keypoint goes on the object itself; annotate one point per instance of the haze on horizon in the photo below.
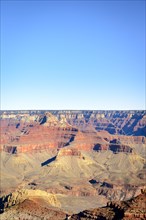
(73, 55)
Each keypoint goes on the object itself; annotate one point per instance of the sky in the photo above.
(79, 55)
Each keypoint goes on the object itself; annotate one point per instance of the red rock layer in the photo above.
(23, 133)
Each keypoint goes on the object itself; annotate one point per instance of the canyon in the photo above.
(65, 162)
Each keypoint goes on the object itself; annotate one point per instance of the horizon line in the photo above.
(72, 110)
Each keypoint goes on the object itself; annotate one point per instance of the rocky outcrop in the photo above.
(69, 152)
(116, 146)
(35, 207)
(132, 209)
(20, 196)
(10, 149)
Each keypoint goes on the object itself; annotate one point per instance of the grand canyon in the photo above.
(73, 164)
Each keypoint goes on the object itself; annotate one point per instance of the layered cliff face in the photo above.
(33, 133)
(82, 157)
(115, 122)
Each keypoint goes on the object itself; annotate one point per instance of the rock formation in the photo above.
(55, 160)
(132, 209)
(115, 122)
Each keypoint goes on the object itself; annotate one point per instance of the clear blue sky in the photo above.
(73, 54)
